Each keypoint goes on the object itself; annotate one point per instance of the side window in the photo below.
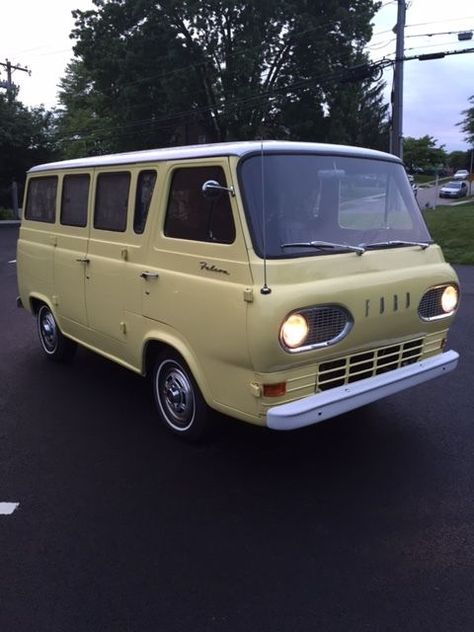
(111, 201)
(190, 215)
(145, 186)
(74, 200)
(41, 199)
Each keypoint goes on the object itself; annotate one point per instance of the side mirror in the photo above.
(212, 189)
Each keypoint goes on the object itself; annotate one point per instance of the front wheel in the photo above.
(54, 344)
(179, 402)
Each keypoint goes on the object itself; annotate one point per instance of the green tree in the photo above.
(26, 138)
(81, 127)
(467, 124)
(423, 152)
(149, 74)
(458, 160)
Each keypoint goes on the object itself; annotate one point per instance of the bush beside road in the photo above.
(6, 214)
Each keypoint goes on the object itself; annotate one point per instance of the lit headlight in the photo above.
(314, 327)
(449, 299)
(439, 302)
(294, 331)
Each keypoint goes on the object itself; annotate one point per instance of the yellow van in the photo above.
(279, 283)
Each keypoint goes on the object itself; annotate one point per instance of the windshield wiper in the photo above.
(394, 243)
(325, 245)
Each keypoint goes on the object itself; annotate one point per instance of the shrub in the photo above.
(6, 213)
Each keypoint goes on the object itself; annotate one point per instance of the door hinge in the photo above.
(123, 327)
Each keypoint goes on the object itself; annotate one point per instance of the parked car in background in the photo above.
(453, 189)
(461, 174)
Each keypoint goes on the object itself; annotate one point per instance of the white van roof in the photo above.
(212, 150)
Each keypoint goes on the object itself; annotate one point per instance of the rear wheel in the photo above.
(179, 402)
(54, 344)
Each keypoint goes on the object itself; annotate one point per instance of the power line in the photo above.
(410, 26)
(439, 33)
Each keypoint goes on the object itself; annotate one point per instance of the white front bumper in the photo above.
(339, 400)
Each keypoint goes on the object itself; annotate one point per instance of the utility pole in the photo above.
(396, 135)
(8, 84)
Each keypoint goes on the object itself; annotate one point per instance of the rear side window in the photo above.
(41, 199)
(190, 215)
(145, 186)
(74, 200)
(111, 201)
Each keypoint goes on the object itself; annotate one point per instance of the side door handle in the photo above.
(83, 260)
(149, 275)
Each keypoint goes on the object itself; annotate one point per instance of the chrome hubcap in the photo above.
(48, 331)
(175, 395)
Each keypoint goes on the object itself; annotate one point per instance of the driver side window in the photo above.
(190, 215)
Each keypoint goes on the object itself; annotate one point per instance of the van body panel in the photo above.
(35, 261)
(69, 278)
(383, 300)
(199, 292)
(225, 385)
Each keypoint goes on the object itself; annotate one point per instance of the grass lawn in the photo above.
(422, 179)
(452, 227)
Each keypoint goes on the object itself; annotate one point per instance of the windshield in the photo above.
(453, 185)
(334, 199)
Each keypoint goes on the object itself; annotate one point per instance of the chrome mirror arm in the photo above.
(211, 186)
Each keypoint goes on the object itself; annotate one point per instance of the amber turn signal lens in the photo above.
(274, 390)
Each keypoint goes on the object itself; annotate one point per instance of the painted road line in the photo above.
(6, 509)
(12, 261)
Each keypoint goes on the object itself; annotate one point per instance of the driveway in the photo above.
(429, 196)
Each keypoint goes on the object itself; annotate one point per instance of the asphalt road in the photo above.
(360, 523)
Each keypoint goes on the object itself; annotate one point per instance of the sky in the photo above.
(435, 92)
(35, 34)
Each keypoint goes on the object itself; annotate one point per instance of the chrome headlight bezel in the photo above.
(341, 324)
(431, 304)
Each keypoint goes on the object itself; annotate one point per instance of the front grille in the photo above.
(311, 376)
(363, 365)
